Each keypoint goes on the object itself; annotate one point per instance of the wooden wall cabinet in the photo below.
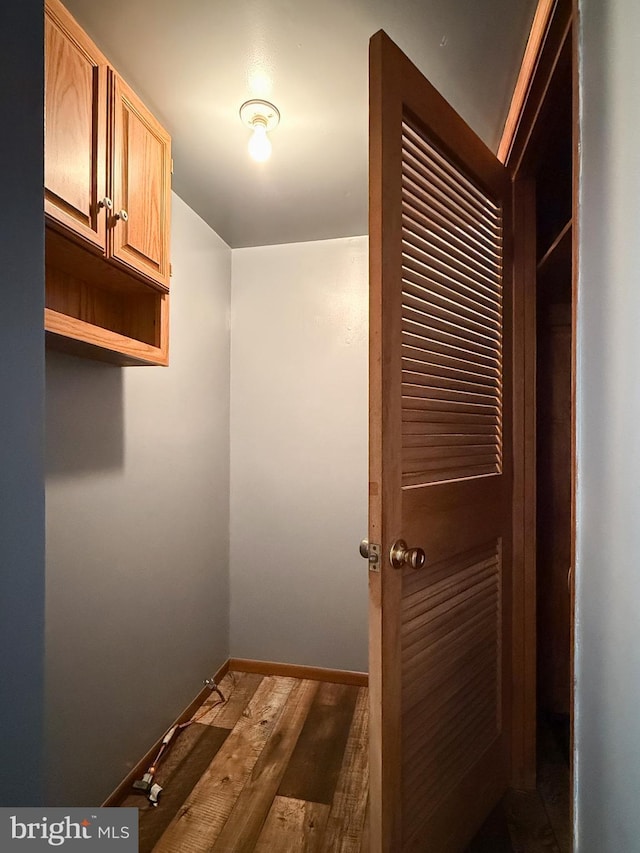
(107, 206)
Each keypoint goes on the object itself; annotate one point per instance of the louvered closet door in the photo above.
(440, 465)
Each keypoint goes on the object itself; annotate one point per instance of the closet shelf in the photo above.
(559, 250)
(78, 337)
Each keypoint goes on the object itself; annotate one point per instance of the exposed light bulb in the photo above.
(260, 117)
(260, 144)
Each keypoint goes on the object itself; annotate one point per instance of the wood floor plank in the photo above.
(238, 688)
(223, 784)
(203, 742)
(200, 820)
(293, 825)
(346, 818)
(529, 827)
(243, 828)
(313, 771)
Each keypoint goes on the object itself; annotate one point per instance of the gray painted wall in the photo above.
(21, 406)
(299, 453)
(608, 537)
(137, 531)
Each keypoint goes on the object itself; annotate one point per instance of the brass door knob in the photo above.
(400, 555)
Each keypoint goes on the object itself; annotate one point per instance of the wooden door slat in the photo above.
(448, 571)
(444, 771)
(423, 162)
(430, 458)
(436, 345)
(446, 415)
(419, 198)
(425, 281)
(418, 374)
(414, 386)
(414, 137)
(426, 722)
(418, 279)
(439, 754)
(433, 322)
(473, 673)
(419, 361)
(420, 386)
(433, 332)
(422, 591)
(413, 400)
(477, 285)
(440, 430)
(446, 576)
(447, 475)
(479, 281)
(422, 614)
(423, 195)
(452, 363)
(448, 440)
(434, 231)
(448, 637)
(454, 466)
(465, 657)
(486, 227)
(431, 304)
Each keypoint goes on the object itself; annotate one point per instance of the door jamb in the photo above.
(552, 23)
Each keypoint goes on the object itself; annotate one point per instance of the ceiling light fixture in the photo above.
(261, 117)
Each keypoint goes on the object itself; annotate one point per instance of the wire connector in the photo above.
(211, 684)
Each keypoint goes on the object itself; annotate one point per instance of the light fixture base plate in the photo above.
(257, 109)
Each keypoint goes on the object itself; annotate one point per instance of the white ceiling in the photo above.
(194, 62)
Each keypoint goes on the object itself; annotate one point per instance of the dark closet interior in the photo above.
(553, 173)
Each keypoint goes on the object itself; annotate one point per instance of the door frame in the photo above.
(554, 22)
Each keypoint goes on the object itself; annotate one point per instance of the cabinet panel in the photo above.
(141, 156)
(75, 130)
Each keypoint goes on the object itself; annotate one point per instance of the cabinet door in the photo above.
(141, 163)
(75, 130)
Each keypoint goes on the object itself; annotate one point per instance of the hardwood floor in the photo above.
(281, 766)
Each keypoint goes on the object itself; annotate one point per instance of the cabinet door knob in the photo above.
(105, 202)
(122, 215)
